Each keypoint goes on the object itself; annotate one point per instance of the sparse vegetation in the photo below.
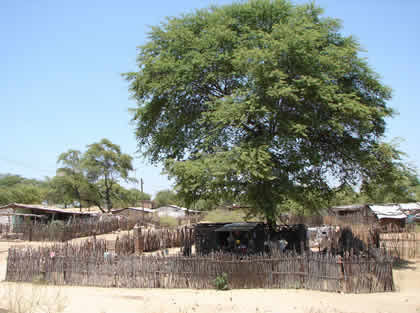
(39, 298)
(221, 282)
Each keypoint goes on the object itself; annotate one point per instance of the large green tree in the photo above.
(106, 165)
(262, 101)
(70, 184)
(14, 188)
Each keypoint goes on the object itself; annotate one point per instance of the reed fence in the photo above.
(404, 245)
(75, 228)
(93, 265)
(148, 240)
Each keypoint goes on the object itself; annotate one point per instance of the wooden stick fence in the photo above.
(401, 245)
(94, 266)
(60, 231)
(148, 240)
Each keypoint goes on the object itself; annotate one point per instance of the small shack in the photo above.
(17, 213)
(175, 211)
(355, 211)
(384, 214)
(134, 212)
(389, 215)
(248, 238)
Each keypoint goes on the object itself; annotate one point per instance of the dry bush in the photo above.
(33, 298)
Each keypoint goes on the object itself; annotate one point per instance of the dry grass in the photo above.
(33, 298)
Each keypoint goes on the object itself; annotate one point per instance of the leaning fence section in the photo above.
(94, 266)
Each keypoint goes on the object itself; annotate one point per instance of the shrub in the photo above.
(221, 282)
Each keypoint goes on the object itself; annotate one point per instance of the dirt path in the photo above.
(111, 300)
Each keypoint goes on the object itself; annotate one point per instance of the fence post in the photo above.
(340, 262)
(138, 240)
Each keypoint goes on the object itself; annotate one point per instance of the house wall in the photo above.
(133, 214)
(392, 222)
(170, 211)
(4, 219)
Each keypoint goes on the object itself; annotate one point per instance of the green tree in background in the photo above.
(70, 184)
(391, 180)
(166, 197)
(122, 197)
(262, 100)
(14, 188)
(105, 166)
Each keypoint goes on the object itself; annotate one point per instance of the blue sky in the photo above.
(60, 66)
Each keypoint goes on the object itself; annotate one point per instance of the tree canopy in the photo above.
(166, 197)
(93, 177)
(15, 188)
(262, 101)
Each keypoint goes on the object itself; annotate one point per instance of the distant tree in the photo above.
(122, 197)
(60, 191)
(71, 183)
(106, 165)
(14, 188)
(262, 100)
(166, 197)
(135, 197)
(10, 180)
(345, 195)
(391, 180)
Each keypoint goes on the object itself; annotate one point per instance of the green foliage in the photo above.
(390, 179)
(262, 101)
(14, 188)
(105, 165)
(221, 282)
(166, 197)
(122, 197)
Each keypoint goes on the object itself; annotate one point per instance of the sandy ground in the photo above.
(112, 300)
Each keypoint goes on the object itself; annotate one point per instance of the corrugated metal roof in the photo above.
(39, 208)
(350, 207)
(388, 211)
(177, 208)
(21, 214)
(413, 206)
(237, 227)
(140, 209)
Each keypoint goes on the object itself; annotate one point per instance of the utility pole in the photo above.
(141, 188)
(141, 185)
